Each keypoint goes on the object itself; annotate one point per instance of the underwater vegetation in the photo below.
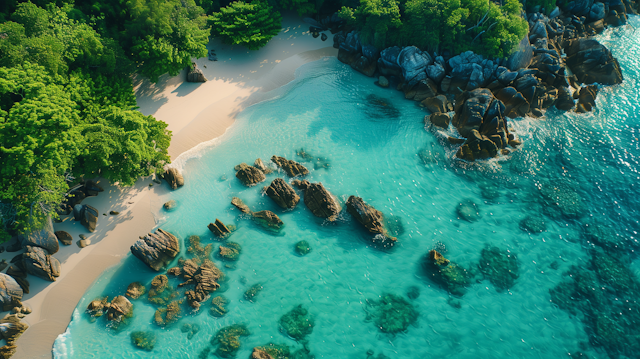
(303, 248)
(230, 251)
(603, 236)
(143, 340)
(251, 293)
(380, 108)
(392, 313)
(561, 199)
(318, 162)
(276, 351)
(448, 275)
(533, 224)
(218, 306)
(468, 211)
(227, 340)
(297, 323)
(169, 314)
(603, 295)
(196, 249)
(191, 329)
(161, 293)
(499, 266)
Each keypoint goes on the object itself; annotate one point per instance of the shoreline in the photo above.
(198, 114)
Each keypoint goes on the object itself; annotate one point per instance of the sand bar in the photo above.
(195, 113)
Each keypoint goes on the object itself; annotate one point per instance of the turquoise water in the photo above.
(378, 149)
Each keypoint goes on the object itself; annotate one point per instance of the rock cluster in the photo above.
(156, 249)
(282, 193)
(290, 167)
(266, 218)
(11, 328)
(219, 229)
(174, 178)
(319, 200)
(203, 277)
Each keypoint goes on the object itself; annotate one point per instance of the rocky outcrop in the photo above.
(156, 249)
(592, 62)
(413, 63)
(135, 290)
(37, 261)
(438, 103)
(20, 277)
(195, 74)
(219, 229)
(64, 237)
(43, 238)
(266, 219)
(10, 292)
(319, 200)
(438, 119)
(170, 205)
(174, 178)
(371, 219)
(204, 278)
(119, 308)
(261, 166)
(249, 175)
(586, 97)
(290, 167)
(521, 58)
(282, 193)
(11, 328)
(87, 215)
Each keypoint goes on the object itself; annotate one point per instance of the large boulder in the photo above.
(388, 62)
(174, 178)
(290, 167)
(219, 229)
(20, 276)
(586, 98)
(479, 110)
(119, 307)
(592, 62)
(195, 74)
(39, 262)
(44, 238)
(156, 249)
(413, 63)
(249, 175)
(64, 237)
(521, 58)
(371, 219)
(282, 193)
(11, 328)
(319, 200)
(10, 291)
(87, 215)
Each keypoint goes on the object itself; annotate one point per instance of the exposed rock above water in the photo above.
(11, 328)
(290, 167)
(219, 229)
(449, 275)
(319, 200)
(249, 175)
(203, 277)
(156, 249)
(119, 308)
(135, 290)
(266, 218)
(282, 193)
(174, 178)
(371, 219)
(592, 62)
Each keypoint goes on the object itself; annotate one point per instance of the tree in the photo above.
(249, 24)
(302, 7)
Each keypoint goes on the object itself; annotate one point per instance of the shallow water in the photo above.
(377, 148)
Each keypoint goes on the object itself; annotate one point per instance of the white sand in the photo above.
(195, 113)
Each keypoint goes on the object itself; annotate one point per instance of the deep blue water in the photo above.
(378, 149)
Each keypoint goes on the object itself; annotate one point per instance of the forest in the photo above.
(67, 106)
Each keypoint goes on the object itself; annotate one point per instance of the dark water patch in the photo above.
(319, 162)
(391, 313)
(499, 266)
(297, 323)
(380, 108)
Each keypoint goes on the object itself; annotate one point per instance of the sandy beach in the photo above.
(197, 114)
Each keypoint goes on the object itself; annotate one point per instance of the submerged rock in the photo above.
(282, 193)
(191, 329)
(219, 229)
(297, 323)
(392, 313)
(144, 340)
(447, 274)
(38, 262)
(371, 219)
(160, 292)
(218, 306)
(499, 266)
(533, 224)
(174, 178)
(197, 249)
(230, 251)
(249, 175)
(156, 249)
(135, 290)
(168, 315)
(319, 200)
(468, 211)
(227, 340)
(251, 293)
(303, 248)
(560, 199)
(290, 167)
(87, 215)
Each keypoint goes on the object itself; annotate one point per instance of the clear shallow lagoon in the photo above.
(378, 149)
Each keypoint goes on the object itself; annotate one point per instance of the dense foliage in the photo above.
(67, 111)
(437, 25)
(250, 24)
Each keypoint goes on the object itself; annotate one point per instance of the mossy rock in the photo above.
(297, 323)
(499, 266)
(251, 293)
(143, 340)
(533, 224)
(169, 314)
(449, 275)
(303, 248)
(196, 249)
(218, 306)
(230, 251)
(392, 313)
(160, 292)
(276, 351)
(227, 340)
(135, 290)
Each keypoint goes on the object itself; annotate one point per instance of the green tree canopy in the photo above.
(249, 24)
